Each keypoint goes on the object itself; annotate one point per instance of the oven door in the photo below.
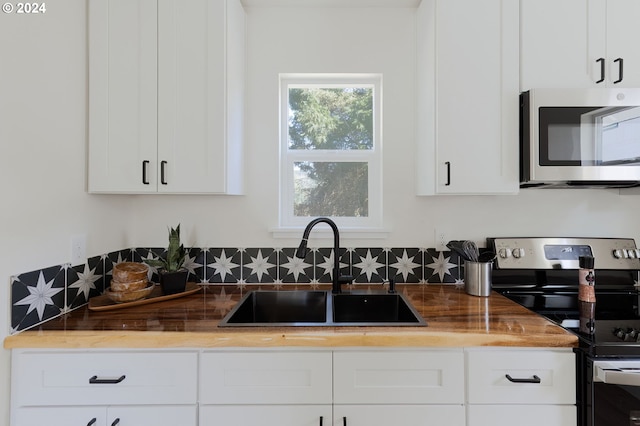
(615, 393)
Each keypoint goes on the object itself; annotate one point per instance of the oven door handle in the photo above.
(609, 373)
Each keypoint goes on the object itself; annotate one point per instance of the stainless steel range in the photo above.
(541, 274)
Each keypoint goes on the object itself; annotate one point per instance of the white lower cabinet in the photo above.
(398, 387)
(284, 388)
(405, 415)
(267, 415)
(165, 415)
(521, 415)
(521, 386)
(294, 387)
(99, 387)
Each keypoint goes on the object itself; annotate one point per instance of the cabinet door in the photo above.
(521, 415)
(122, 96)
(471, 77)
(554, 37)
(192, 91)
(623, 33)
(59, 416)
(165, 415)
(267, 415)
(405, 415)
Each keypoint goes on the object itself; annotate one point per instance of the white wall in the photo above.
(43, 111)
(309, 39)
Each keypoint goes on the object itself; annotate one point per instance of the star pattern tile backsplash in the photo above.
(41, 295)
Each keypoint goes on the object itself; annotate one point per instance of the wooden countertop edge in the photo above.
(280, 338)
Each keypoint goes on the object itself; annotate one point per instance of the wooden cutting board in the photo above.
(103, 303)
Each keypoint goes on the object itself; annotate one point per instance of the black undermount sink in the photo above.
(317, 308)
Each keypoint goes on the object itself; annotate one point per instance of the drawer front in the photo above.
(521, 415)
(399, 377)
(527, 377)
(136, 377)
(264, 377)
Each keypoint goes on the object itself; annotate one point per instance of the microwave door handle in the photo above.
(601, 61)
(619, 61)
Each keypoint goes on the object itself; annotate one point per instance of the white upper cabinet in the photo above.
(578, 43)
(467, 97)
(166, 96)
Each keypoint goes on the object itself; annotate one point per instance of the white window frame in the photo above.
(372, 157)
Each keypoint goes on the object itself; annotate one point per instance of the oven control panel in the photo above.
(564, 253)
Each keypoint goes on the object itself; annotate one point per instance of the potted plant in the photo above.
(173, 277)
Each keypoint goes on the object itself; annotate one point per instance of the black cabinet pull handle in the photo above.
(95, 381)
(448, 164)
(320, 420)
(93, 420)
(601, 60)
(620, 61)
(144, 172)
(344, 421)
(115, 422)
(534, 379)
(162, 180)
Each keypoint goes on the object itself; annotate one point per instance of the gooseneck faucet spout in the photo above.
(302, 251)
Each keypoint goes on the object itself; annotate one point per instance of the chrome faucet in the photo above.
(302, 252)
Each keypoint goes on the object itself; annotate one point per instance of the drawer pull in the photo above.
(115, 422)
(534, 379)
(95, 381)
(320, 420)
(344, 421)
(93, 420)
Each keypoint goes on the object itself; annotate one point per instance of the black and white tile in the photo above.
(259, 265)
(37, 296)
(405, 265)
(292, 269)
(369, 265)
(85, 281)
(442, 267)
(323, 264)
(223, 265)
(44, 294)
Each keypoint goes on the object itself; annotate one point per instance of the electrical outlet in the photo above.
(441, 239)
(78, 249)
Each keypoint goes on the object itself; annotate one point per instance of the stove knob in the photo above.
(625, 253)
(637, 253)
(632, 253)
(504, 253)
(518, 253)
(617, 253)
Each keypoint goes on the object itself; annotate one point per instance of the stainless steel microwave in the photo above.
(580, 138)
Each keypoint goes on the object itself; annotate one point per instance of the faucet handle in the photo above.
(392, 285)
(345, 279)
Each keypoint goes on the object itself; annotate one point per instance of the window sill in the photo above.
(345, 233)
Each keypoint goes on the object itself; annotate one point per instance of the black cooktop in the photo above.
(610, 326)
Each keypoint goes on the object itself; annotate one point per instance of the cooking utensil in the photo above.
(471, 250)
(487, 256)
(456, 245)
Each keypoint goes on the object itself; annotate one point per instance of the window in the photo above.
(330, 149)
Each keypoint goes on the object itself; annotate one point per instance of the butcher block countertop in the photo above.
(454, 319)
